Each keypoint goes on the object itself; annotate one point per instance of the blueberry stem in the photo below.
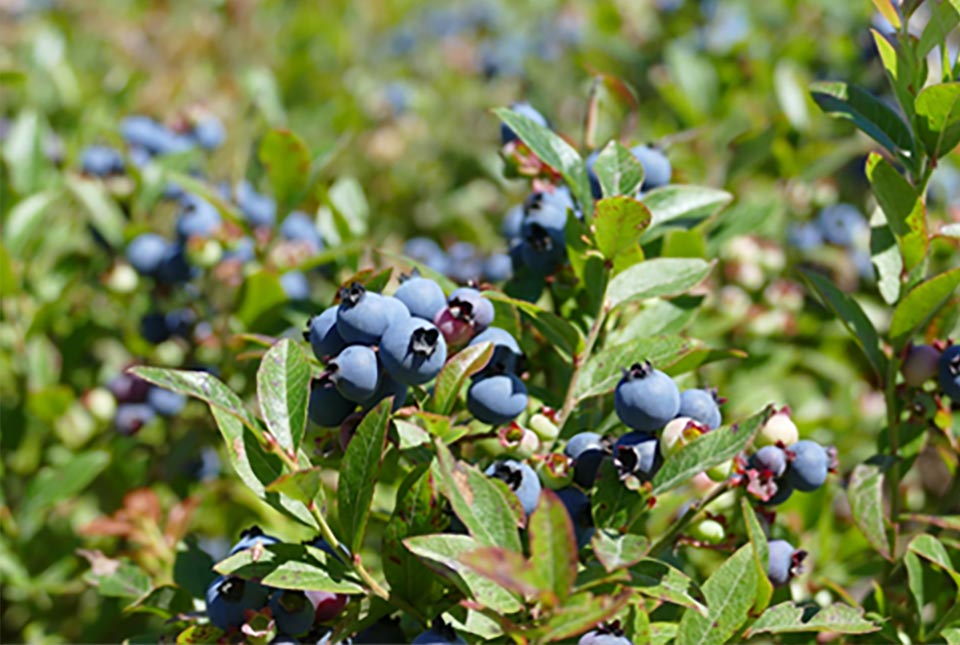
(570, 400)
(666, 540)
(893, 438)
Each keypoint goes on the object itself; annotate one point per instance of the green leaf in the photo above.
(23, 150)
(887, 9)
(938, 118)
(283, 385)
(788, 618)
(209, 193)
(104, 213)
(200, 635)
(930, 548)
(602, 372)
(455, 373)
(165, 601)
(52, 485)
(915, 578)
(865, 493)
(761, 555)
(115, 578)
(886, 257)
(608, 106)
(553, 151)
(903, 208)
(709, 449)
(615, 505)
(261, 294)
(945, 16)
(655, 278)
(616, 551)
(561, 334)
(347, 199)
(852, 316)
(292, 566)
(446, 550)
(681, 204)
(581, 613)
(193, 568)
(26, 219)
(730, 594)
(359, 471)
(659, 580)
(553, 548)
(618, 170)
(480, 505)
(618, 223)
(900, 72)
(302, 485)
(872, 116)
(507, 568)
(920, 305)
(286, 159)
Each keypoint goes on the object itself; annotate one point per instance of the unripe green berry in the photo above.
(709, 531)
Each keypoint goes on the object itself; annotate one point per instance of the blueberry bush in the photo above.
(468, 322)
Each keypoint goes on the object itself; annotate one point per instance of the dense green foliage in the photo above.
(750, 271)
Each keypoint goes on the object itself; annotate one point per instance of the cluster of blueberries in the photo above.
(840, 225)
(924, 362)
(375, 346)
(535, 229)
(462, 262)
(139, 402)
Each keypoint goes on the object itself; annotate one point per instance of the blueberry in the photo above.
(295, 285)
(701, 406)
(781, 489)
(439, 634)
(131, 417)
(413, 351)
(259, 210)
(637, 454)
(327, 407)
(427, 252)
(165, 402)
(243, 250)
(656, 166)
(322, 334)
(423, 297)
(394, 309)
(498, 267)
(595, 188)
(506, 351)
(646, 398)
(326, 605)
(174, 268)
(497, 399)
(520, 478)
(465, 264)
(229, 598)
(808, 465)
(199, 218)
(805, 237)
(605, 635)
(469, 305)
(361, 316)
(150, 136)
(949, 372)
(512, 222)
(385, 630)
(146, 252)
(507, 135)
(784, 562)
(292, 611)
(770, 459)
(842, 224)
(299, 227)
(587, 449)
(356, 372)
(180, 322)
(153, 328)
(209, 133)
(578, 506)
(101, 161)
(251, 537)
(547, 209)
(127, 388)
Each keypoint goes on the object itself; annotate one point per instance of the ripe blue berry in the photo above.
(656, 166)
(229, 598)
(327, 407)
(322, 334)
(128, 388)
(637, 454)
(199, 218)
(701, 405)
(165, 402)
(506, 351)
(578, 507)
(771, 459)
(512, 222)
(356, 372)
(498, 267)
(782, 490)
(413, 351)
(146, 252)
(361, 315)
(209, 133)
(292, 611)
(423, 297)
(949, 372)
(427, 252)
(646, 398)
(251, 537)
(394, 310)
(605, 635)
(153, 328)
(295, 285)
(808, 465)
(587, 449)
(465, 263)
(468, 305)
(520, 478)
(259, 210)
(842, 224)
(299, 227)
(920, 365)
(439, 634)
(507, 135)
(101, 161)
(497, 399)
(130, 417)
(174, 268)
(784, 562)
